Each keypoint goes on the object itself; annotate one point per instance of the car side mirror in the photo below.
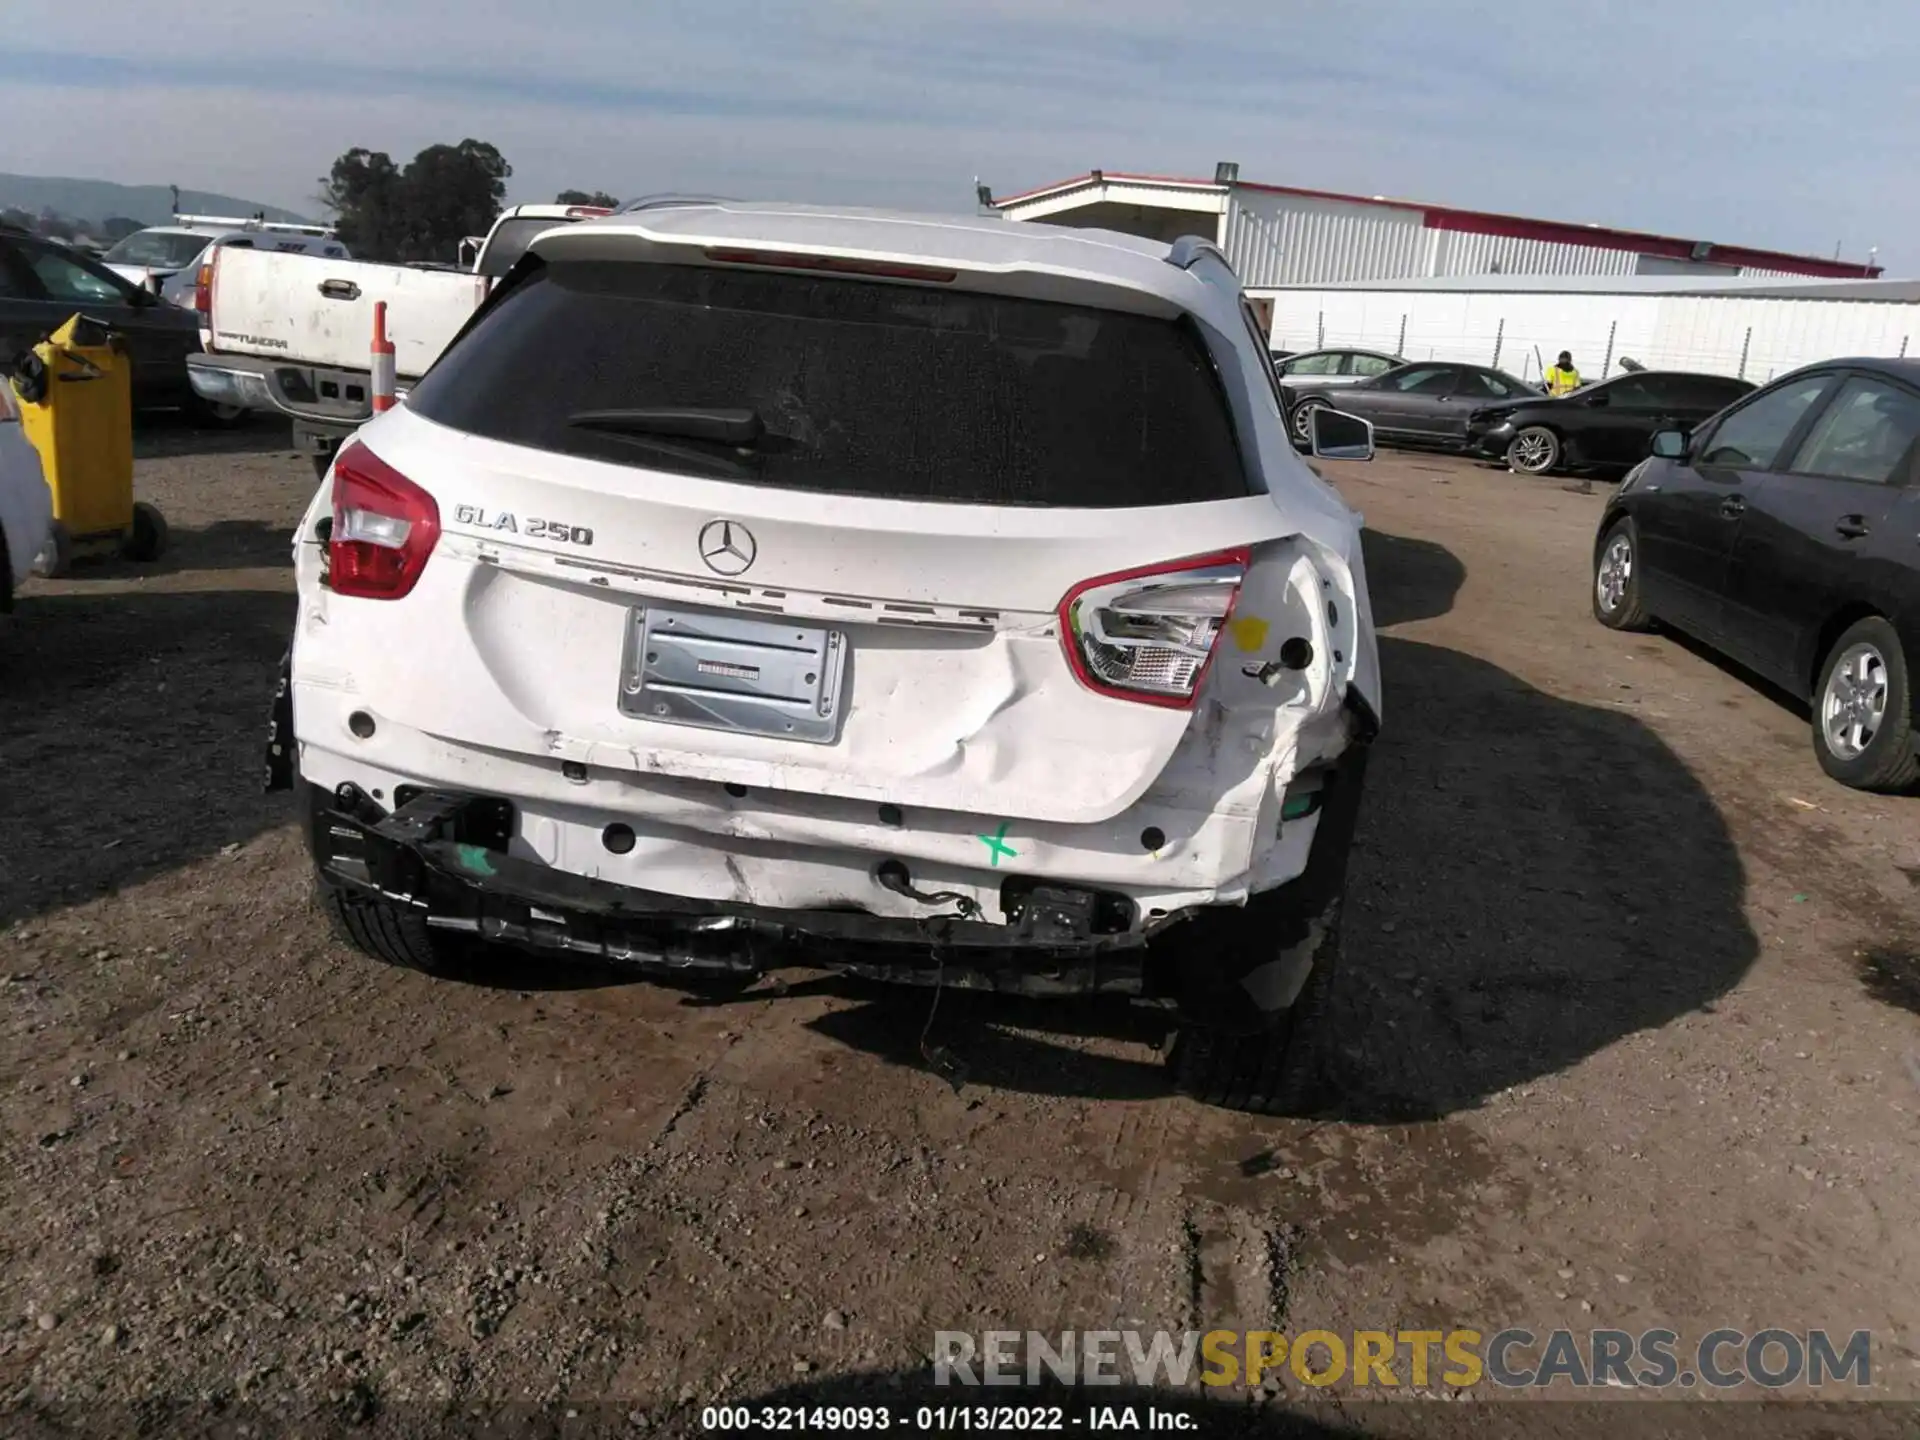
(1670, 444)
(1337, 435)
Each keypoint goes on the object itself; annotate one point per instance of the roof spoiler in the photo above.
(657, 202)
(1189, 250)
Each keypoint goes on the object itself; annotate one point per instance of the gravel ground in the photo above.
(1630, 1036)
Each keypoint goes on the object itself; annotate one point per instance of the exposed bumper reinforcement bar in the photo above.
(444, 855)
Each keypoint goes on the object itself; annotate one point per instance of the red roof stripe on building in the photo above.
(1512, 227)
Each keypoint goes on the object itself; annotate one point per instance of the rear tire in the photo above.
(1617, 602)
(1534, 451)
(383, 931)
(217, 416)
(1863, 710)
(1277, 1071)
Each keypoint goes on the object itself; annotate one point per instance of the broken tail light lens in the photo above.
(384, 528)
(1150, 634)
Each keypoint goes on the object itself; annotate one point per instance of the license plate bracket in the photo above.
(770, 676)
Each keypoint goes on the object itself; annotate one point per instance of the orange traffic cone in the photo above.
(384, 378)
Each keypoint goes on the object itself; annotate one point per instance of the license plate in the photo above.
(722, 672)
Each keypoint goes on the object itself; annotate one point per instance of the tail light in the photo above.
(587, 212)
(203, 285)
(384, 528)
(1150, 634)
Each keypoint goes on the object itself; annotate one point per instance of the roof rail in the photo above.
(1189, 250)
(255, 222)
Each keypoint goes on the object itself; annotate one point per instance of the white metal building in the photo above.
(1755, 329)
(1278, 235)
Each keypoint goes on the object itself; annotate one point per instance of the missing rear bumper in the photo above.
(445, 856)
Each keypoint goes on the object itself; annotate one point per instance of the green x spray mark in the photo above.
(474, 858)
(996, 843)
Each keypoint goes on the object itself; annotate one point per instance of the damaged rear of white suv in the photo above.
(932, 599)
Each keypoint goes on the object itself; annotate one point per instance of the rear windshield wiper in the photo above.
(733, 461)
(740, 428)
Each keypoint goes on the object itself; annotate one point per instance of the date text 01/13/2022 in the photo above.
(940, 1419)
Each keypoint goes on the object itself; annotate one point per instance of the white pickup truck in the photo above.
(291, 333)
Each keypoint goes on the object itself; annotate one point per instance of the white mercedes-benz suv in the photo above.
(923, 597)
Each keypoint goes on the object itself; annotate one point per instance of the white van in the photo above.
(168, 257)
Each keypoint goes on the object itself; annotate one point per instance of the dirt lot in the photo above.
(1630, 1037)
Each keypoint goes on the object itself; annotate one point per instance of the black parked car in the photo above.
(1782, 534)
(1425, 403)
(1609, 424)
(42, 284)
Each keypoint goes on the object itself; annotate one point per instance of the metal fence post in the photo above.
(1607, 364)
(1400, 346)
(1903, 343)
(1499, 336)
(1743, 352)
(1320, 338)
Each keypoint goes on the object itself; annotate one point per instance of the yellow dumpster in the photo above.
(76, 407)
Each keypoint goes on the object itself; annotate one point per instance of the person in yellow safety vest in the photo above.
(1562, 378)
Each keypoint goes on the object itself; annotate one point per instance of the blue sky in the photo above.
(1755, 122)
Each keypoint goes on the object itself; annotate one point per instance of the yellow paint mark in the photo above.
(1249, 633)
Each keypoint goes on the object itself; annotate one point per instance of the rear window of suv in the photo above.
(862, 387)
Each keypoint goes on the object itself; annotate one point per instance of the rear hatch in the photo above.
(879, 537)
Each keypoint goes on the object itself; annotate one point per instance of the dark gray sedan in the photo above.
(1424, 403)
(42, 284)
(1780, 532)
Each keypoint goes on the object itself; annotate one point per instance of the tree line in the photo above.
(423, 210)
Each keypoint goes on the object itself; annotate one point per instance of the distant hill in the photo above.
(97, 200)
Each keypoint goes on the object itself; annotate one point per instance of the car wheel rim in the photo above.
(1854, 706)
(1303, 419)
(1616, 569)
(1532, 452)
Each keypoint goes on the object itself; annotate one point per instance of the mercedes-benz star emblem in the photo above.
(727, 547)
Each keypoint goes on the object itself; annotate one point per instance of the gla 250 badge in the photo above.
(503, 520)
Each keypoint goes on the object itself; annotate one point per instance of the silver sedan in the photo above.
(1318, 368)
